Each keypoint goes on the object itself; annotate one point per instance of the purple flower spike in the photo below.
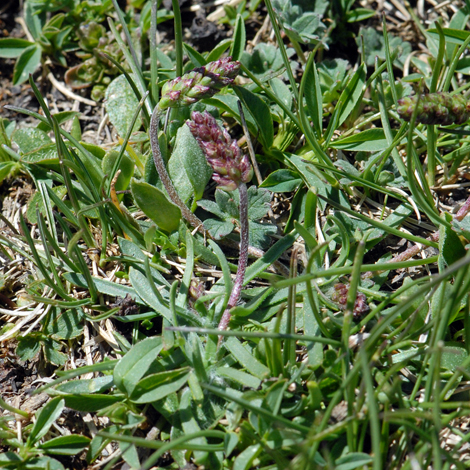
(200, 83)
(435, 108)
(230, 166)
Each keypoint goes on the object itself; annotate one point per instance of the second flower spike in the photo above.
(435, 108)
(223, 154)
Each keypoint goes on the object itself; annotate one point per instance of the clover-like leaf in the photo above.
(265, 60)
(225, 208)
(374, 46)
(302, 19)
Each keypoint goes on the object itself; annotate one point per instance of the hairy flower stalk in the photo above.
(435, 108)
(200, 83)
(232, 170)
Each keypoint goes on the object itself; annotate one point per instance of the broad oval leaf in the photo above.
(370, 140)
(260, 112)
(90, 402)
(66, 445)
(30, 139)
(281, 181)
(352, 461)
(126, 166)
(142, 286)
(10, 48)
(26, 64)
(156, 205)
(188, 167)
(352, 93)
(134, 364)
(157, 386)
(121, 103)
(44, 419)
(99, 385)
(239, 38)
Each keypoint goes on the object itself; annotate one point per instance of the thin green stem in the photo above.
(178, 37)
(282, 48)
(153, 53)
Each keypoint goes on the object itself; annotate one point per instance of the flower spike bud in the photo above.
(435, 108)
(200, 83)
(340, 295)
(230, 166)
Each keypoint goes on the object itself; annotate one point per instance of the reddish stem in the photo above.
(242, 260)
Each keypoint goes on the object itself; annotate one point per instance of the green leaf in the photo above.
(126, 166)
(260, 234)
(37, 202)
(282, 181)
(44, 462)
(64, 324)
(30, 139)
(229, 104)
(46, 155)
(190, 424)
(282, 92)
(260, 112)
(90, 402)
(314, 98)
(8, 169)
(212, 207)
(239, 38)
(352, 93)
(188, 167)
(302, 19)
(44, 419)
(453, 356)
(103, 286)
(120, 104)
(266, 59)
(65, 445)
(273, 254)
(352, 461)
(259, 202)
(86, 386)
(246, 359)
(247, 380)
(359, 14)
(196, 58)
(60, 117)
(450, 246)
(10, 48)
(26, 64)
(143, 288)
(374, 46)
(135, 363)
(28, 347)
(157, 386)
(52, 353)
(156, 205)
(370, 140)
(10, 460)
(35, 20)
(245, 459)
(219, 49)
(453, 36)
(218, 228)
